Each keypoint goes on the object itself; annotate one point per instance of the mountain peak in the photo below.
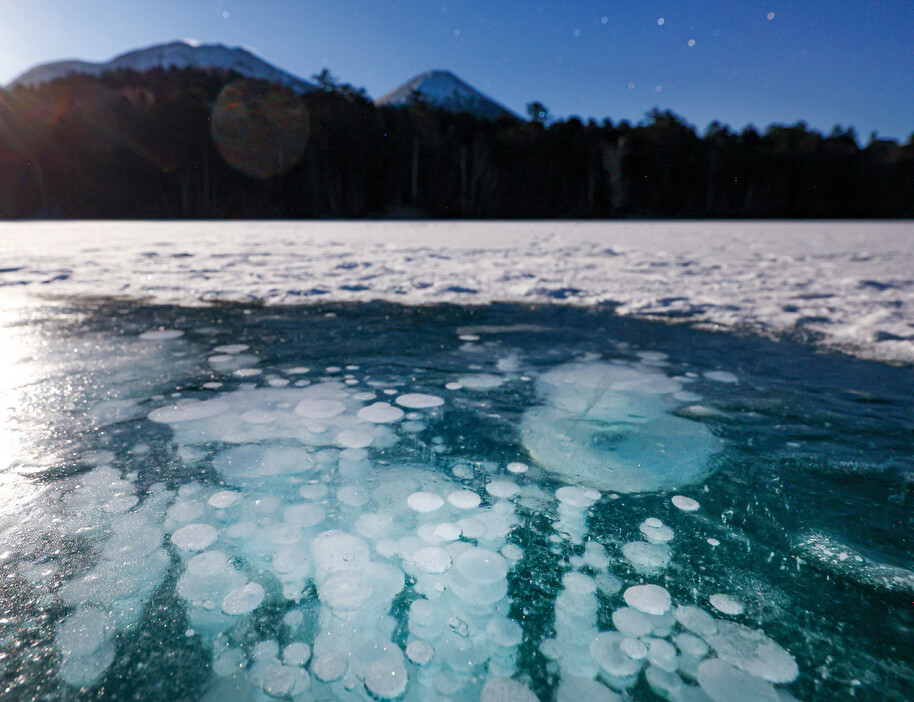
(175, 54)
(441, 88)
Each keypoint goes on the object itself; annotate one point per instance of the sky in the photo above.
(740, 62)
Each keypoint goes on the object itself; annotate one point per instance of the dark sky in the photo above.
(738, 61)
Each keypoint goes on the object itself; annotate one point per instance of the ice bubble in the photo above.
(579, 584)
(608, 584)
(81, 671)
(161, 334)
(502, 488)
(345, 591)
(212, 385)
(447, 531)
(231, 348)
(644, 557)
(618, 668)
(284, 680)
(258, 417)
(633, 648)
(293, 618)
(229, 662)
(453, 386)
(481, 381)
(420, 652)
(419, 401)
(610, 427)
(631, 622)
(686, 504)
(355, 438)
(353, 496)
(313, 491)
(662, 654)
(247, 372)
(424, 502)
(481, 566)
(319, 408)
(713, 542)
(83, 632)
(244, 599)
(595, 555)
(691, 645)
(223, 499)
(329, 667)
(336, 550)
(464, 499)
(431, 559)
(576, 496)
(120, 504)
(721, 376)
(686, 396)
(194, 537)
(189, 411)
(266, 650)
(298, 370)
(655, 531)
(386, 679)
(252, 463)
(472, 528)
(380, 413)
(498, 689)
(504, 632)
(696, 620)
(724, 683)
(512, 552)
(753, 652)
(726, 604)
(518, 467)
(576, 689)
(290, 559)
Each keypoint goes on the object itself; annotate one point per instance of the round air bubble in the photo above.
(482, 566)
(304, 514)
(686, 504)
(244, 599)
(290, 559)
(231, 348)
(696, 620)
(353, 496)
(313, 491)
(518, 467)
(502, 489)
(576, 496)
(189, 412)
(721, 376)
(424, 502)
(691, 645)
(83, 632)
(345, 591)
(297, 653)
(724, 683)
(266, 650)
(579, 584)
(432, 559)
(85, 670)
(354, 438)
(336, 550)
(500, 689)
(386, 679)
(608, 584)
(655, 531)
(419, 401)
(420, 652)
(319, 409)
(633, 648)
(329, 667)
(248, 372)
(229, 662)
(258, 417)
(575, 689)
(605, 653)
(481, 381)
(194, 537)
(380, 413)
(447, 531)
(646, 557)
(753, 652)
(472, 528)
(726, 604)
(631, 622)
(512, 552)
(662, 654)
(504, 632)
(650, 599)
(223, 499)
(161, 334)
(279, 680)
(464, 499)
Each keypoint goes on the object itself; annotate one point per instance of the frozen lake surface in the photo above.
(845, 285)
(357, 500)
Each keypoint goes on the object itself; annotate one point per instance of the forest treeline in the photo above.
(131, 145)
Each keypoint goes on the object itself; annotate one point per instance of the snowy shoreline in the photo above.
(849, 285)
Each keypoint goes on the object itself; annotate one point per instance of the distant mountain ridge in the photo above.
(444, 90)
(438, 88)
(177, 54)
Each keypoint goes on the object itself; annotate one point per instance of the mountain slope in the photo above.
(178, 54)
(444, 90)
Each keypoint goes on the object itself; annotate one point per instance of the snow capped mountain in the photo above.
(178, 54)
(445, 90)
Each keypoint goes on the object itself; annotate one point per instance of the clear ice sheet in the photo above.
(367, 502)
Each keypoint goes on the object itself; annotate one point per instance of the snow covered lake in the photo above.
(450, 461)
